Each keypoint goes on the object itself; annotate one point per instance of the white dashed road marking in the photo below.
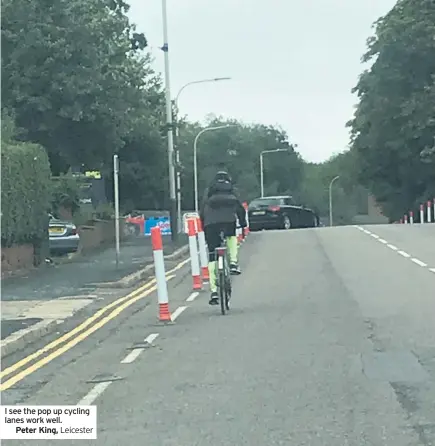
(99, 388)
(177, 313)
(137, 351)
(419, 262)
(404, 254)
(395, 248)
(192, 297)
(95, 392)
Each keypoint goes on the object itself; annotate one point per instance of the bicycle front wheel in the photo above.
(227, 298)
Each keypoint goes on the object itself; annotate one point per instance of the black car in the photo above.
(279, 212)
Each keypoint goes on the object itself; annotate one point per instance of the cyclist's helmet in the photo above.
(221, 184)
(223, 177)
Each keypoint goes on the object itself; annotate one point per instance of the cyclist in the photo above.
(219, 211)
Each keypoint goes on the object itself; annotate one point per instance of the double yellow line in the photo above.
(84, 330)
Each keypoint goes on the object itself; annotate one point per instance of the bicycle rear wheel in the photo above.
(228, 288)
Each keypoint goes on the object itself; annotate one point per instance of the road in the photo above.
(330, 342)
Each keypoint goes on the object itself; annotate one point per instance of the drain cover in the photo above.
(143, 345)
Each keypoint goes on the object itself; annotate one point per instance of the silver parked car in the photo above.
(63, 236)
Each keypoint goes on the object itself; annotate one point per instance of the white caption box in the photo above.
(48, 422)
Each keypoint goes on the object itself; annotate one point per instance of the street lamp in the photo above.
(261, 166)
(172, 191)
(195, 160)
(330, 198)
(177, 152)
(202, 81)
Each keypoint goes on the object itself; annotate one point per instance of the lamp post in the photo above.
(330, 198)
(116, 200)
(195, 158)
(177, 152)
(202, 81)
(262, 169)
(171, 161)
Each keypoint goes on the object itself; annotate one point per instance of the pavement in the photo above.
(36, 304)
(83, 272)
(330, 342)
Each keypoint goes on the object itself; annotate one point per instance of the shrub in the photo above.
(25, 190)
(25, 193)
(65, 194)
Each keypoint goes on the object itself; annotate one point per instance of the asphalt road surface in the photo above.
(330, 342)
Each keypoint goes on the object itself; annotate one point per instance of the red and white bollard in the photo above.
(245, 205)
(159, 265)
(203, 257)
(239, 232)
(405, 219)
(194, 259)
(429, 211)
(411, 217)
(421, 213)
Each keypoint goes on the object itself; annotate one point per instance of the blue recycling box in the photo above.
(163, 222)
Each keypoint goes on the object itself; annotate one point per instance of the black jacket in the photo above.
(222, 205)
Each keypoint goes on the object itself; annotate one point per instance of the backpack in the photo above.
(221, 194)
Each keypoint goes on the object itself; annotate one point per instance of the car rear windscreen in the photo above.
(266, 202)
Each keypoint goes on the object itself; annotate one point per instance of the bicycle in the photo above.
(224, 275)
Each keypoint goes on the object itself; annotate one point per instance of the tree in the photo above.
(394, 124)
(349, 197)
(239, 148)
(71, 73)
(80, 85)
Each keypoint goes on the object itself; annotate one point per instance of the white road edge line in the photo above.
(177, 313)
(404, 254)
(395, 248)
(419, 262)
(95, 392)
(192, 297)
(132, 356)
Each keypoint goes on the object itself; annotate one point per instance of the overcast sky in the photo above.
(292, 62)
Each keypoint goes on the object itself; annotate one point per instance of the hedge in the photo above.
(25, 193)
